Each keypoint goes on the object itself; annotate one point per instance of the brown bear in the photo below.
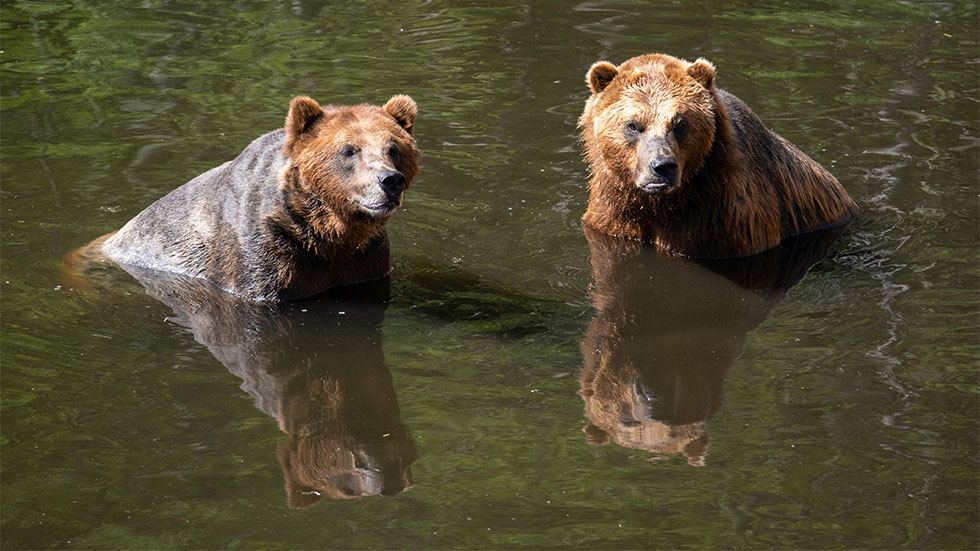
(682, 164)
(300, 210)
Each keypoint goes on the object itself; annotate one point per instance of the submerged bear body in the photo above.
(679, 163)
(300, 210)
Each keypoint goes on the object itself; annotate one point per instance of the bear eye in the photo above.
(393, 151)
(348, 151)
(633, 127)
(679, 127)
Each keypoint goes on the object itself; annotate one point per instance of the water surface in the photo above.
(517, 382)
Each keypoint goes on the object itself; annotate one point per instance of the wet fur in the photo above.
(279, 221)
(742, 187)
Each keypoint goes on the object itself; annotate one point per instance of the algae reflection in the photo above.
(665, 333)
(318, 369)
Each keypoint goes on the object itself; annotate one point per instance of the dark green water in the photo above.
(837, 413)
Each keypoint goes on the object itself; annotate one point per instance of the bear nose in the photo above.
(392, 182)
(665, 167)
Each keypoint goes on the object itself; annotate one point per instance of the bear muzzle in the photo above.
(392, 183)
(660, 175)
(387, 196)
(657, 169)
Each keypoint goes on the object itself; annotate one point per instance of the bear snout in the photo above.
(665, 167)
(383, 196)
(393, 184)
(660, 175)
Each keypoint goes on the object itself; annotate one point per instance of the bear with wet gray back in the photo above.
(300, 210)
(682, 164)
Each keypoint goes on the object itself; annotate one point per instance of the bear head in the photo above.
(650, 121)
(356, 160)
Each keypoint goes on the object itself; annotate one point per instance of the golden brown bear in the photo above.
(682, 164)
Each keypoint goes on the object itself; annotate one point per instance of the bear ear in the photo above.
(703, 72)
(600, 75)
(402, 109)
(303, 112)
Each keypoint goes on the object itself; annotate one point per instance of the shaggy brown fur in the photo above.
(682, 164)
(301, 210)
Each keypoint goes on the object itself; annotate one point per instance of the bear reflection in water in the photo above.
(318, 368)
(666, 331)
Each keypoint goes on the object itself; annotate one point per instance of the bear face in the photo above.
(652, 120)
(358, 160)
